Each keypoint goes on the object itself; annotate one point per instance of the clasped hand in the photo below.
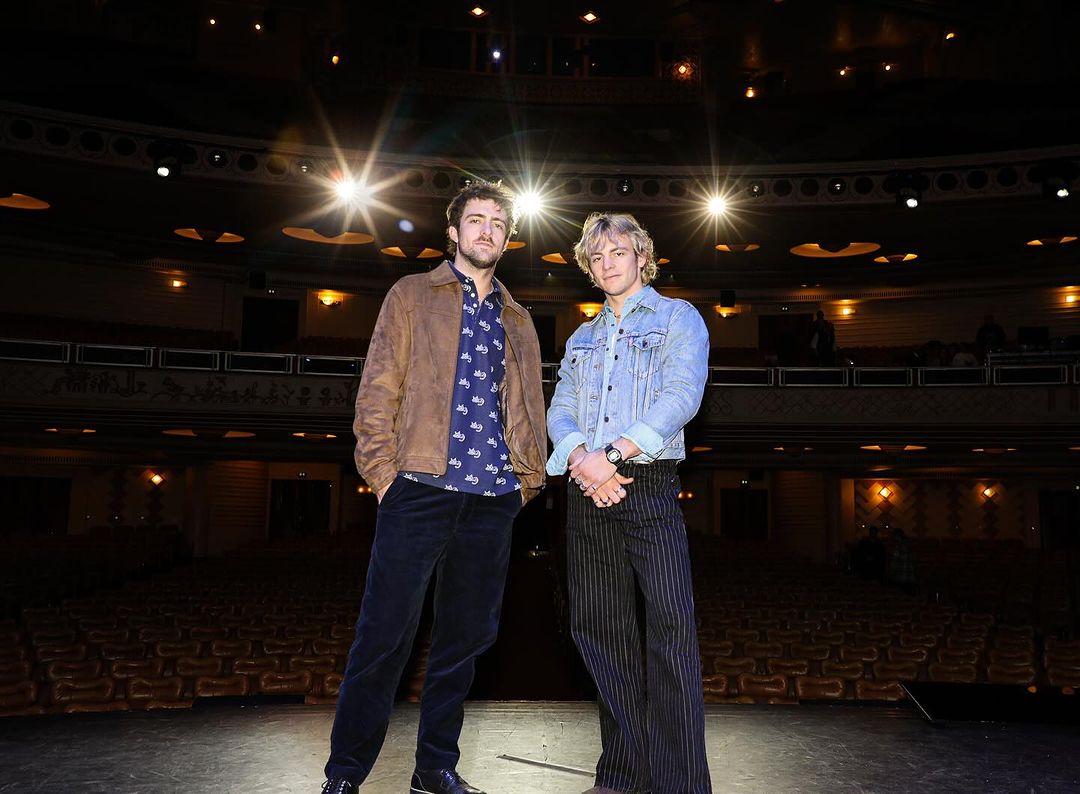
(598, 478)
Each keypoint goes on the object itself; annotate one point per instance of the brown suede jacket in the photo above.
(404, 402)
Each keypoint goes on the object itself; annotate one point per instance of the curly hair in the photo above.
(601, 225)
(480, 189)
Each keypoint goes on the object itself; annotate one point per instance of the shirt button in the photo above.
(605, 418)
(616, 356)
(609, 388)
(620, 330)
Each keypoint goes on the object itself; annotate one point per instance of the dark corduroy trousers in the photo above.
(652, 723)
(464, 541)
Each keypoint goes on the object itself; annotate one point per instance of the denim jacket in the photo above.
(657, 376)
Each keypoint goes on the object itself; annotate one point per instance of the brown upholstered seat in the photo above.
(93, 690)
(944, 672)
(848, 671)
(1018, 674)
(810, 687)
(897, 653)
(195, 666)
(87, 669)
(866, 689)
(863, 653)
(768, 688)
(293, 683)
(895, 671)
(67, 652)
(316, 665)
(788, 667)
(154, 667)
(222, 686)
(715, 687)
(231, 649)
(733, 666)
(111, 651)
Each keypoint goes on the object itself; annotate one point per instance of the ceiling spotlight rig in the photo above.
(908, 187)
(1056, 178)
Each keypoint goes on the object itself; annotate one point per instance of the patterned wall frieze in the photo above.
(923, 406)
(130, 146)
(40, 385)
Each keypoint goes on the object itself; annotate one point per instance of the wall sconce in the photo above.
(590, 310)
(330, 299)
(727, 311)
(847, 311)
(884, 492)
(988, 492)
(177, 283)
(156, 478)
(685, 495)
(363, 489)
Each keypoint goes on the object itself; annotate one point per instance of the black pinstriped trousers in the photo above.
(652, 723)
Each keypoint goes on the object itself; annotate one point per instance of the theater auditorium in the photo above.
(869, 202)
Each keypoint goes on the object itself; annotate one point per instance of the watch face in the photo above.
(614, 456)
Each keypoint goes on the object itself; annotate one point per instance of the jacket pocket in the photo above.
(644, 352)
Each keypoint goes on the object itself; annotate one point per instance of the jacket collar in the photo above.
(444, 275)
(649, 298)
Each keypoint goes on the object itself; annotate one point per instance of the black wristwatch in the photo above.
(612, 453)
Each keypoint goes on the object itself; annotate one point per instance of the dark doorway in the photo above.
(545, 331)
(299, 508)
(1059, 516)
(35, 505)
(744, 514)
(269, 324)
(787, 336)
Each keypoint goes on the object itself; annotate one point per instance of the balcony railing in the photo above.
(301, 364)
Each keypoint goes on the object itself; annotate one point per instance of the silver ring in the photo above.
(607, 501)
(592, 487)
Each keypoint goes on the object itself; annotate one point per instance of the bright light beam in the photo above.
(530, 203)
(718, 206)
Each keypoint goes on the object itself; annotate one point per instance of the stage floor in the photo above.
(527, 748)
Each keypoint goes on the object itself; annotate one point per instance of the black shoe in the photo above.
(440, 781)
(339, 785)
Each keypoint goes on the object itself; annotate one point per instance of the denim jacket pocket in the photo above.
(644, 352)
(581, 357)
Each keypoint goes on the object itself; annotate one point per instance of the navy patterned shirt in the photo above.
(479, 460)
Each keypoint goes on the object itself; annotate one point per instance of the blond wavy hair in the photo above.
(609, 225)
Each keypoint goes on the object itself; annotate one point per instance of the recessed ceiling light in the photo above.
(312, 236)
(994, 450)
(478, 12)
(315, 436)
(555, 258)
(209, 235)
(589, 17)
(893, 447)
(1067, 238)
(515, 245)
(20, 201)
(895, 259)
(70, 431)
(833, 251)
(737, 248)
(401, 252)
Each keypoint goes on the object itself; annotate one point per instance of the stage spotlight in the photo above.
(496, 55)
(1056, 187)
(349, 191)
(406, 225)
(625, 186)
(837, 186)
(304, 166)
(167, 166)
(907, 186)
(756, 188)
(717, 205)
(218, 158)
(529, 203)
